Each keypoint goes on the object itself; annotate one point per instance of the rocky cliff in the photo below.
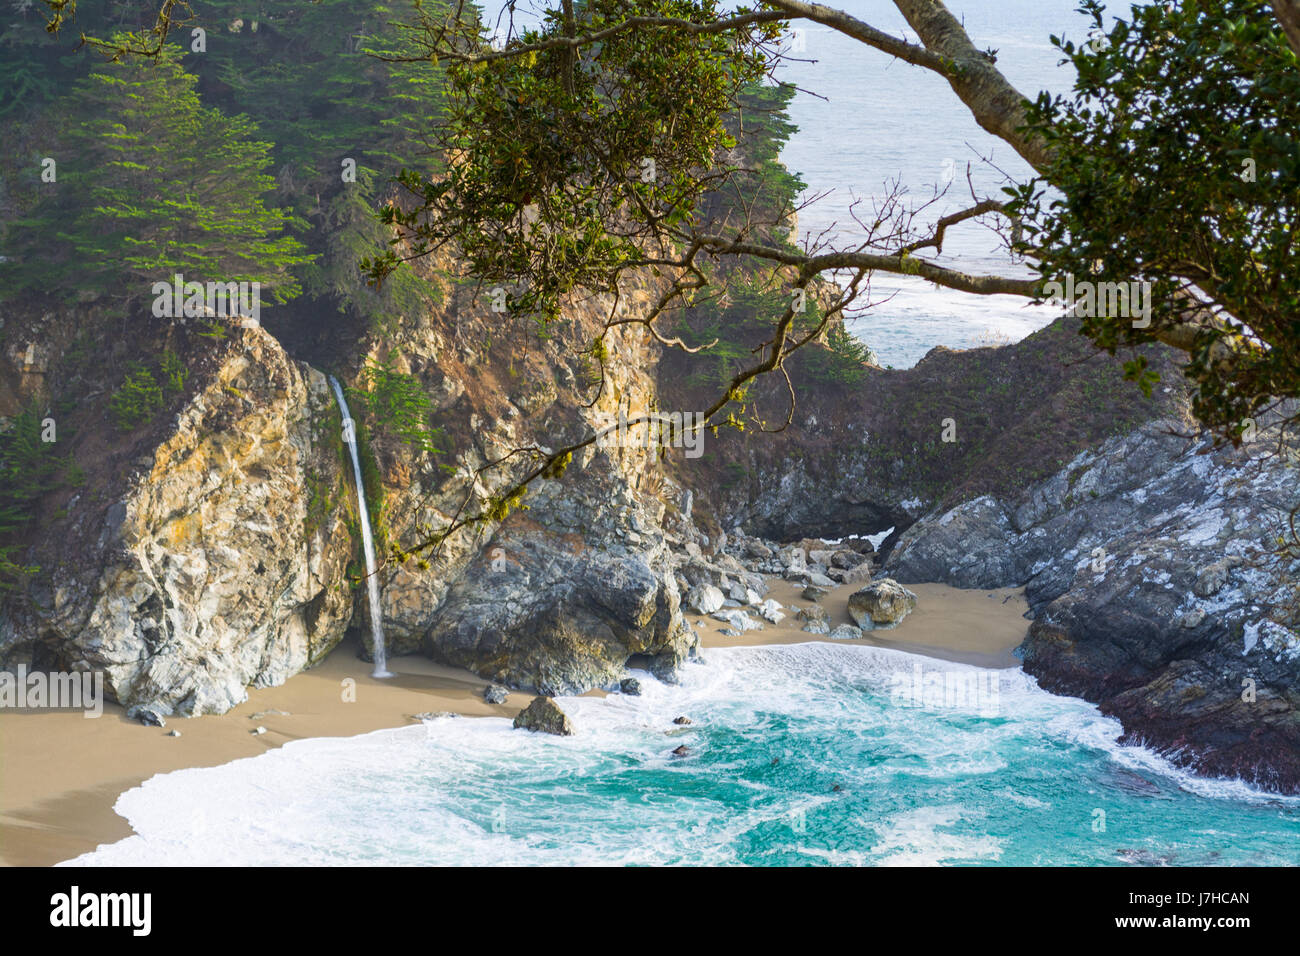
(206, 561)
(214, 546)
(1156, 564)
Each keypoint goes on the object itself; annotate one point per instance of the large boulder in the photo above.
(544, 716)
(704, 599)
(215, 559)
(552, 615)
(882, 604)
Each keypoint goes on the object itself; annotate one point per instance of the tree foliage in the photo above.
(151, 183)
(1176, 162)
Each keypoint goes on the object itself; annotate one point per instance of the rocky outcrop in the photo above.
(557, 616)
(881, 605)
(544, 716)
(1154, 574)
(220, 563)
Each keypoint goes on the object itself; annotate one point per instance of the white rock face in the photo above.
(704, 599)
(771, 611)
(223, 564)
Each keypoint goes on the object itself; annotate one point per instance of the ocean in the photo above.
(803, 754)
(870, 125)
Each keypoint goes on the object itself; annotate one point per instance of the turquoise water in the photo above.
(1011, 776)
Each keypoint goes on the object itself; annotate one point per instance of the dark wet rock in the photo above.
(495, 694)
(681, 721)
(681, 751)
(561, 617)
(544, 716)
(630, 686)
(1152, 574)
(146, 716)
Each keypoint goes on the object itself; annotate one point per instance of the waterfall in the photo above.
(372, 579)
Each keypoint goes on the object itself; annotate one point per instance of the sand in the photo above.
(61, 773)
(970, 626)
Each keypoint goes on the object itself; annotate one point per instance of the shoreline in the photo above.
(61, 773)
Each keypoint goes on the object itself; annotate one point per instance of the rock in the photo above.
(544, 716)
(630, 686)
(822, 557)
(262, 714)
(738, 621)
(814, 613)
(561, 615)
(739, 593)
(704, 599)
(215, 571)
(1154, 590)
(844, 560)
(681, 721)
(432, 715)
(846, 632)
(681, 751)
(882, 604)
(771, 611)
(258, 731)
(794, 559)
(813, 593)
(859, 575)
(820, 580)
(817, 627)
(1211, 580)
(495, 694)
(146, 716)
(173, 733)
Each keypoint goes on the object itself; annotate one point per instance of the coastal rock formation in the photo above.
(560, 617)
(217, 562)
(543, 716)
(1151, 560)
(1154, 574)
(881, 605)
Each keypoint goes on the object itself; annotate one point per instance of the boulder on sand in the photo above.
(704, 599)
(544, 716)
(881, 604)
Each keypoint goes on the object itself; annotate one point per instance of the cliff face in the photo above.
(203, 565)
(559, 596)
(215, 548)
(1157, 588)
(1151, 559)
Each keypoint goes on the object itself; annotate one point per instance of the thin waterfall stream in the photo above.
(372, 578)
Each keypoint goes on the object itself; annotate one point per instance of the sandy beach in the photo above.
(61, 773)
(954, 624)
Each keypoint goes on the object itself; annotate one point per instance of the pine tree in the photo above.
(150, 183)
